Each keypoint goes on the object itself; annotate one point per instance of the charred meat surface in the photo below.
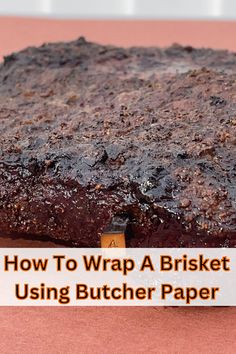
(89, 132)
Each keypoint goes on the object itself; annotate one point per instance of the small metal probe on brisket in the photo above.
(114, 234)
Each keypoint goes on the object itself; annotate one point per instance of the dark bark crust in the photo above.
(90, 131)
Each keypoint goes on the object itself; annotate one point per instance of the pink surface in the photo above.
(118, 330)
(16, 33)
(115, 330)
